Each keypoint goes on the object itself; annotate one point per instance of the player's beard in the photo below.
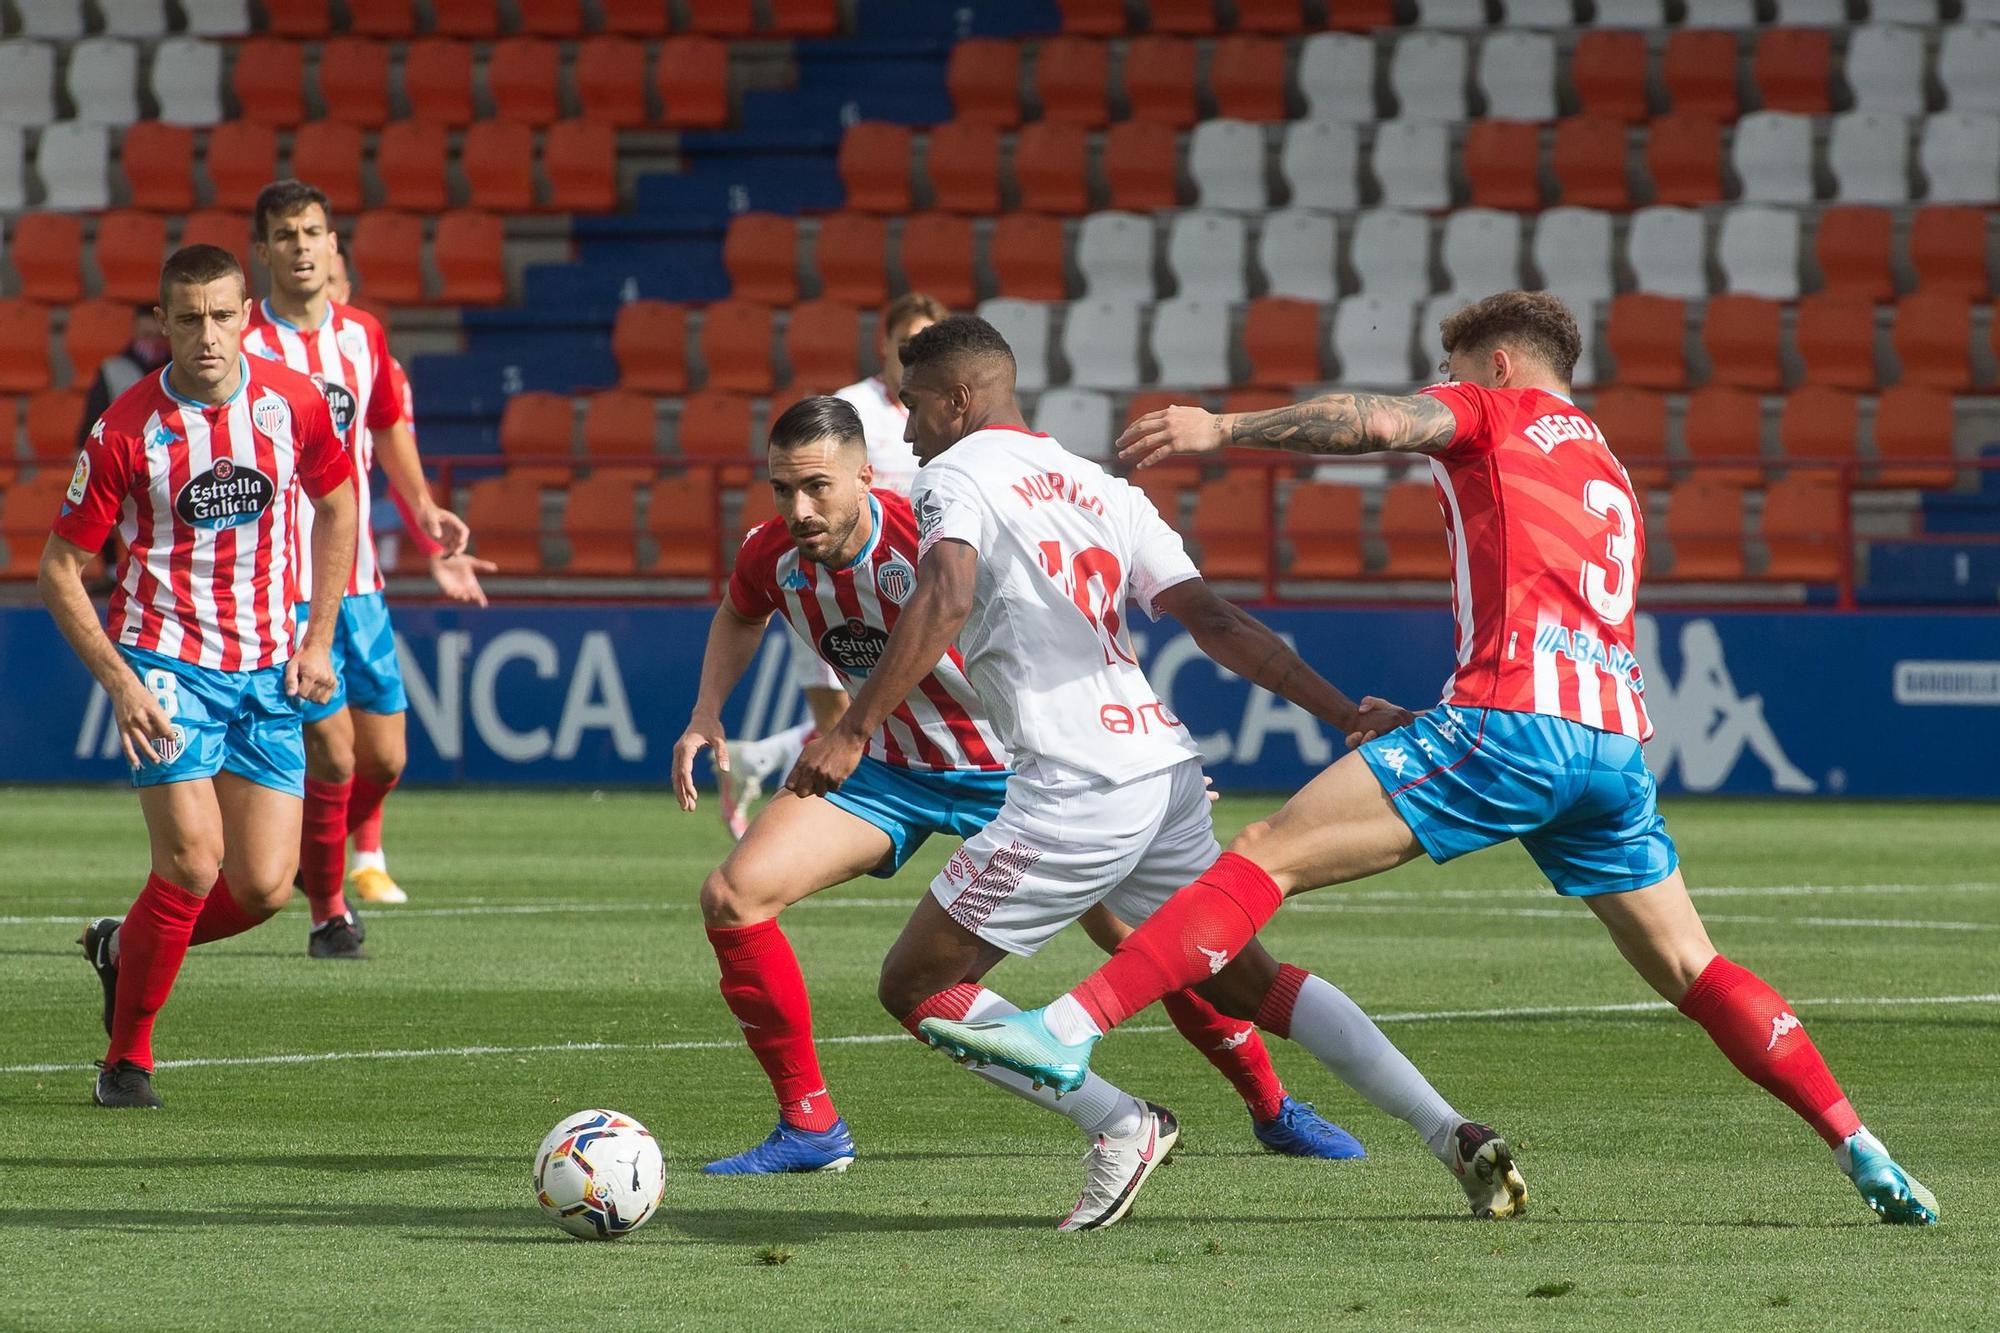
(837, 539)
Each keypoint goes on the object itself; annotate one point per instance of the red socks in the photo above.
(151, 944)
(1274, 1013)
(954, 1004)
(1233, 1047)
(1184, 943)
(364, 812)
(221, 916)
(1764, 1038)
(323, 848)
(763, 987)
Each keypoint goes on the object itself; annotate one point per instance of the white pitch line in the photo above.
(886, 1038)
(1575, 914)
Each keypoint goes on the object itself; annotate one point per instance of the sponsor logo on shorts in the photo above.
(896, 579)
(994, 885)
(853, 647)
(168, 750)
(1396, 757)
(228, 494)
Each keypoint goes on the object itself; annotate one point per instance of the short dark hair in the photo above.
(197, 266)
(953, 339)
(281, 199)
(819, 417)
(1537, 322)
(909, 307)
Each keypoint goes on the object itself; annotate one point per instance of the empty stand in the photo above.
(735, 346)
(1853, 245)
(938, 257)
(1321, 163)
(388, 254)
(1742, 336)
(1948, 250)
(1758, 249)
(1667, 248)
(1142, 165)
(1413, 533)
(1705, 526)
(1932, 336)
(1647, 335)
(1232, 526)
(851, 257)
(1836, 339)
(1913, 438)
(471, 258)
(1323, 527)
(1802, 529)
(963, 163)
(1049, 162)
(1503, 163)
(1281, 337)
(1101, 344)
(761, 253)
(649, 340)
(1296, 251)
(1160, 81)
(1027, 253)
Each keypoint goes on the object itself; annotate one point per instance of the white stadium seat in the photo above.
(73, 161)
(1869, 152)
(13, 168)
(1189, 339)
(103, 80)
(1668, 248)
(1585, 309)
(1773, 157)
(135, 18)
(1410, 162)
(1226, 159)
(1430, 342)
(1337, 76)
(60, 19)
(1101, 343)
(187, 81)
(1208, 254)
(1321, 163)
(1758, 249)
(1297, 251)
(217, 18)
(1517, 75)
(1648, 14)
(1391, 252)
(1968, 59)
(1080, 419)
(1960, 153)
(1372, 337)
(1451, 13)
(1885, 69)
(1572, 250)
(1903, 11)
(1482, 251)
(1537, 13)
(1721, 14)
(1981, 11)
(1427, 76)
(1025, 326)
(1114, 253)
(1812, 13)
(27, 83)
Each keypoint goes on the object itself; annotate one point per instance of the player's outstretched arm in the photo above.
(140, 718)
(396, 447)
(1334, 423)
(309, 675)
(1231, 637)
(733, 641)
(946, 579)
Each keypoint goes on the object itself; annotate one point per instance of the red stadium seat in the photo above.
(937, 257)
(1609, 70)
(1853, 244)
(537, 425)
(243, 159)
(683, 523)
(823, 343)
(506, 513)
(1142, 166)
(1725, 427)
(24, 346)
(471, 251)
(1933, 340)
(466, 18)
(623, 426)
(47, 250)
(736, 346)
(1049, 167)
(1742, 337)
(692, 77)
(354, 80)
(1247, 76)
(1094, 18)
(851, 256)
(984, 78)
(1281, 338)
(498, 159)
(715, 424)
(1647, 336)
(635, 18)
(875, 167)
(219, 227)
(805, 18)
(26, 511)
(55, 416)
(760, 251)
(1705, 525)
(382, 18)
(129, 247)
(1072, 80)
(1360, 15)
(1820, 423)
(1323, 526)
(158, 161)
(1913, 432)
(1793, 68)
(1413, 533)
(269, 80)
(964, 167)
(1802, 529)
(388, 252)
(1684, 158)
(1196, 18)
(94, 330)
(1232, 524)
(723, 18)
(437, 78)
(611, 81)
(298, 18)
(324, 152)
(410, 159)
(649, 340)
(1503, 164)
(580, 160)
(1590, 163)
(598, 522)
(525, 75)
(1160, 81)
(1027, 254)
(1948, 250)
(1280, 18)
(1634, 422)
(1836, 338)
(553, 18)
(1699, 70)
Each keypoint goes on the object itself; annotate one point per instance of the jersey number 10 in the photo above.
(1094, 580)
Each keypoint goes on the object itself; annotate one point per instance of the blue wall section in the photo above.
(1868, 704)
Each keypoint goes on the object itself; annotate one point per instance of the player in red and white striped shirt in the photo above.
(204, 469)
(1537, 739)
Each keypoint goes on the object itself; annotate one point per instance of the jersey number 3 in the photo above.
(1610, 594)
(1094, 580)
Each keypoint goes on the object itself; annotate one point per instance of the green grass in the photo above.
(393, 1192)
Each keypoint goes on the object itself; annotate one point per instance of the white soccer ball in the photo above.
(599, 1175)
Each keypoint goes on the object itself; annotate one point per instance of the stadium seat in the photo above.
(1166, 486)
(1094, 18)
(1699, 71)
(324, 152)
(1647, 335)
(1432, 311)
(1280, 18)
(715, 424)
(73, 163)
(1853, 244)
(187, 81)
(649, 340)
(127, 18)
(1412, 533)
(1724, 428)
(24, 346)
(471, 250)
(1885, 69)
(692, 77)
(497, 159)
(129, 246)
(1025, 326)
(1072, 80)
(1836, 339)
(552, 18)
(1609, 72)
(1391, 252)
(681, 519)
(1932, 336)
(506, 512)
(298, 18)
(822, 343)
(1960, 153)
(1323, 527)
(938, 257)
(25, 513)
(1648, 14)
(1481, 250)
(1948, 250)
(875, 167)
(103, 80)
(1705, 526)
(1049, 168)
(1684, 158)
(1913, 435)
(1634, 422)
(388, 251)
(1409, 161)
(63, 19)
(1232, 525)
(1427, 76)
(219, 227)
(1869, 152)
(382, 18)
(580, 163)
(1503, 164)
(269, 79)
(1160, 81)
(1296, 250)
(1361, 15)
(735, 344)
(1321, 162)
(983, 75)
(1337, 77)
(1101, 344)
(242, 159)
(410, 159)
(1226, 160)
(466, 18)
(158, 162)
(1667, 250)
(724, 18)
(1793, 70)
(597, 520)
(1914, 12)
(27, 83)
(1080, 418)
(1720, 14)
(1758, 249)
(437, 81)
(524, 76)
(963, 163)
(1373, 337)
(94, 330)
(621, 426)
(1572, 251)
(760, 251)
(1027, 256)
(1247, 77)
(1742, 336)
(1802, 529)
(217, 18)
(1208, 254)
(535, 424)
(1820, 424)
(1516, 73)
(851, 256)
(354, 80)
(1142, 165)
(1968, 53)
(1189, 341)
(1589, 162)
(615, 90)
(47, 250)
(55, 416)
(1281, 338)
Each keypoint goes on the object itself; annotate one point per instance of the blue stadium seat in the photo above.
(892, 19)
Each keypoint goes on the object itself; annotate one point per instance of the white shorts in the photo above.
(1049, 857)
(809, 669)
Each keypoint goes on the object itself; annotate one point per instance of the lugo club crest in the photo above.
(228, 494)
(853, 647)
(895, 579)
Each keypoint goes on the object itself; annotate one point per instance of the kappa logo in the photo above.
(1396, 757)
(1783, 1023)
(796, 581)
(1235, 1039)
(1703, 722)
(272, 416)
(1217, 958)
(269, 353)
(158, 433)
(896, 579)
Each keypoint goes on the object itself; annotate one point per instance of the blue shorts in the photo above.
(366, 674)
(1582, 801)
(910, 805)
(240, 722)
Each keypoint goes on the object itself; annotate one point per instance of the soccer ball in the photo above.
(598, 1175)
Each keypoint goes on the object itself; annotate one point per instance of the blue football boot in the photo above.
(791, 1149)
(1895, 1195)
(1298, 1130)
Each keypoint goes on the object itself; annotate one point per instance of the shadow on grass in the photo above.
(275, 1161)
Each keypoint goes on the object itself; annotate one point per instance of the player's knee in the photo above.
(383, 770)
(329, 762)
(727, 903)
(192, 865)
(262, 895)
(899, 991)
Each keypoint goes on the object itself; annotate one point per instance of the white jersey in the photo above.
(1062, 546)
(882, 422)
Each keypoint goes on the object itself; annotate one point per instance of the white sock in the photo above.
(1843, 1152)
(1346, 1041)
(117, 933)
(1095, 1108)
(1069, 1022)
(786, 747)
(360, 860)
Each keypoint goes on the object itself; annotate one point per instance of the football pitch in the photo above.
(347, 1145)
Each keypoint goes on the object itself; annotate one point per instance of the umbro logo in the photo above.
(1783, 1023)
(1217, 959)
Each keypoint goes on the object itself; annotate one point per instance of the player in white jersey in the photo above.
(878, 401)
(1027, 557)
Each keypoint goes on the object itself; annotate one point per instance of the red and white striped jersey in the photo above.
(348, 357)
(1546, 548)
(846, 615)
(206, 500)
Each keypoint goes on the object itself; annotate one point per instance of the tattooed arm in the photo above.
(1335, 423)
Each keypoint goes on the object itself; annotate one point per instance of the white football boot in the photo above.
(1484, 1165)
(1114, 1170)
